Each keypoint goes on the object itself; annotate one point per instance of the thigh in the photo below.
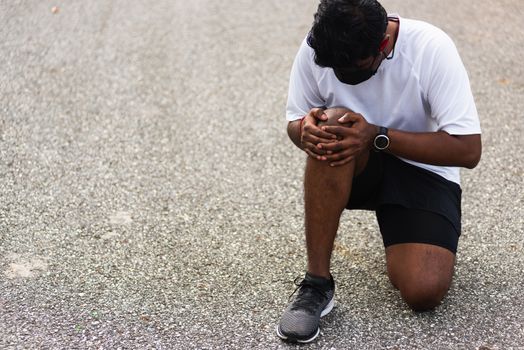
(399, 224)
(424, 194)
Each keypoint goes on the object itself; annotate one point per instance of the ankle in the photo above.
(319, 275)
(318, 270)
(324, 283)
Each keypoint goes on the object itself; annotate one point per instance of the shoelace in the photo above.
(302, 300)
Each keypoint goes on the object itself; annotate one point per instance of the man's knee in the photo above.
(421, 272)
(423, 295)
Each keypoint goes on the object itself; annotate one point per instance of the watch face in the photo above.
(381, 142)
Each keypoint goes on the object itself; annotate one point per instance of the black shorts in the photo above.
(412, 205)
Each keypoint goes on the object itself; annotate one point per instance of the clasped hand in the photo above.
(335, 142)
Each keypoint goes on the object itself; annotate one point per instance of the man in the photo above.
(407, 123)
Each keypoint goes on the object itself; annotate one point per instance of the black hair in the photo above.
(345, 31)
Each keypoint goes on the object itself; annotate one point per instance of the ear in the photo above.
(384, 43)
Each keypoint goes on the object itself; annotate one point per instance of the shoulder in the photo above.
(304, 64)
(430, 50)
(424, 40)
(305, 54)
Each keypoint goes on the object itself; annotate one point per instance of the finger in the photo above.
(315, 110)
(318, 132)
(312, 114)
(319, 114)
(339, 130)
(350, 118)
(347, 143)
(338, 156)
(332, 147)
(311, 132)
(313, 148)
(345, 118)
(316, 140)
(313, 155)
(342, 162)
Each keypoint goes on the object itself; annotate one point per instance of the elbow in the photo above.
(472, 163)
(293, 132)
(290, 130)
(473, 158)
(469, 151)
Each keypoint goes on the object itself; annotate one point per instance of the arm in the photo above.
(436, 148)
(303, 96)
(293, 131)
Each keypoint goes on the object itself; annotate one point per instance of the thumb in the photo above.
(319, 114)
(349, 118)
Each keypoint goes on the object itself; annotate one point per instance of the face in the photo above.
(362, 71)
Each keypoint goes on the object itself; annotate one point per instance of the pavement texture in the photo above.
(150, 198)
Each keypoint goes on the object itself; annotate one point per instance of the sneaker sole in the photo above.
(294, 340)
(324, 312)
(328, 307)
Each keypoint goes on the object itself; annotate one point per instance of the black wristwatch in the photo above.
(381, 141)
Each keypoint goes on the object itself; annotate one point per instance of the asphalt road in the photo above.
(150, 198)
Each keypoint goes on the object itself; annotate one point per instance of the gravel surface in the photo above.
(150, 198)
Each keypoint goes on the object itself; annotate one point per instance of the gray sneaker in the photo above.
(315, 299)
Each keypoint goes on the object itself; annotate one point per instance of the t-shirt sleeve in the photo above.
(303, 91)
(448, 89)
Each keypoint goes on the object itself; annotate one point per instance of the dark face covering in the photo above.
(354, 77)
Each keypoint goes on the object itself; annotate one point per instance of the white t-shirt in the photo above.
(424, 88)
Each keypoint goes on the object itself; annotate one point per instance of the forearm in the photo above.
(436, 148)
(293, 131)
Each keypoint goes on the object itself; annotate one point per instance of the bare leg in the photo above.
(326, 193)
(422, 272)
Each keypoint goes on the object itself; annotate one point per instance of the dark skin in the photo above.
(338, 142)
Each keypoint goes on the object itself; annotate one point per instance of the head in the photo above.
(349, 36)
